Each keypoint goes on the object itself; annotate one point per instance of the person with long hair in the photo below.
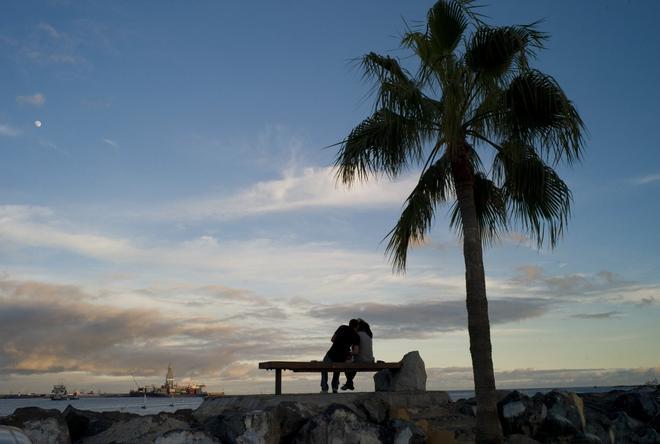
(365, 352)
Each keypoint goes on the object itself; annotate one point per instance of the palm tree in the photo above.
(473, 94)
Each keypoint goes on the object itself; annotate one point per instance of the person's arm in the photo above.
(355, 349)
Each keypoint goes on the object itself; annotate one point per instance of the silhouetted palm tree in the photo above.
(473, 93)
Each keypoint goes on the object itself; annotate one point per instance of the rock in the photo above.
(227, 427)
(441, 436)
(40, 425)
(185, 437)
(399, 413)
(518, 438)
(82, 423)
(406, 432)
(627, 429)
(639, 405)
(376, 410)
(586, 438)
(290, 417)
(138, 429)
(410, 377)
(13, 435)
(564, 406)
(556, 426)
(338, 424)
(520, 414)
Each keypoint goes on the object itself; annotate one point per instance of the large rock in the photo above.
(520, 414)
(338, 424)
(40, 425)
(83, 423)
(139, 429)
(186, 437)
(410, 377)
(641, 405)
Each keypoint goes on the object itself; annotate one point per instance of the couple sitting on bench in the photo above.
(350, 343)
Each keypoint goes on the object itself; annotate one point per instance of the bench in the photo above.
(319, 366)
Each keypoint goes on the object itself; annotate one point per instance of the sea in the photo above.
(156, 405)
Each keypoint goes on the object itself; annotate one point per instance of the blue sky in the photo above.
(177, 203)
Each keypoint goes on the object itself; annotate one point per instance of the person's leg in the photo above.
(349, 381)
(324, 375)
(335, 382)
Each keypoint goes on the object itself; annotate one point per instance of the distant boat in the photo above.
(59, 393)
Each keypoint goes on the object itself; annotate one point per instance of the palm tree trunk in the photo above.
(489, 429)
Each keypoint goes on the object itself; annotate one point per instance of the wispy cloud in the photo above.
(423, 319)
(597, 316)
(310, 188)
(644, 180)
(8, 130)
(37, 99)
(111, 142)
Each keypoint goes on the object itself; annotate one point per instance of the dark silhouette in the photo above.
(365, 353)
(345, 343)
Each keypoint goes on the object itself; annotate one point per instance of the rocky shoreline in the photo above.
(631, 416)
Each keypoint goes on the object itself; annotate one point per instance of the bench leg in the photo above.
(278, 381)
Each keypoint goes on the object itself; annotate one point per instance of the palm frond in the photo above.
(385, 142)
(491, 208)
(492, 50)
(447, 21)
(537, 111)
(434, 186)
(383, 68)
(536, 196)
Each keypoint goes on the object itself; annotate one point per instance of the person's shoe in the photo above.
(335, 391)
(324, 391)
(347, 386)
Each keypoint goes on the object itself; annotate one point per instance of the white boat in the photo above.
(59, 393)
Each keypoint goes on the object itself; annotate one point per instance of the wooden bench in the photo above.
(319, 366)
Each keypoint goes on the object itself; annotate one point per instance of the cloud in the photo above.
(534, 277)
(644, 180)
(7, 130)
(49, 30)
(37, 99)
(49, 328)
(423, 319)
(310, 188)
(598, 316)
(111, 142)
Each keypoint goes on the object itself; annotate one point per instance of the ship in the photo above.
(59, 393)
(170, 388)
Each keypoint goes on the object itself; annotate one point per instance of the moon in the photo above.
(37, 123)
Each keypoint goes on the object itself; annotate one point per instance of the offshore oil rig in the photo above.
(170, 388)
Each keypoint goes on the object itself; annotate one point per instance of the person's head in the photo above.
(354, 323)
(364, 326)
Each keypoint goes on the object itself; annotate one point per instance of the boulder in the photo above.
(565, 416)
(138, 429)
(630, 430)
(376, 410)
(640, 405)
(410, 377)
(82, 423)
(186, 437)
(520, 414)
(338, 424)
(406, 432)
(518, 438)
(40, 425)
(13, 435)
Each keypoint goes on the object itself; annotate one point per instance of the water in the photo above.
(119, 404)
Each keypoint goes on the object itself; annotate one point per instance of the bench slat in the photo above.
(318, 366)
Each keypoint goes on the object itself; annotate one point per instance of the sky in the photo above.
(178, 202)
